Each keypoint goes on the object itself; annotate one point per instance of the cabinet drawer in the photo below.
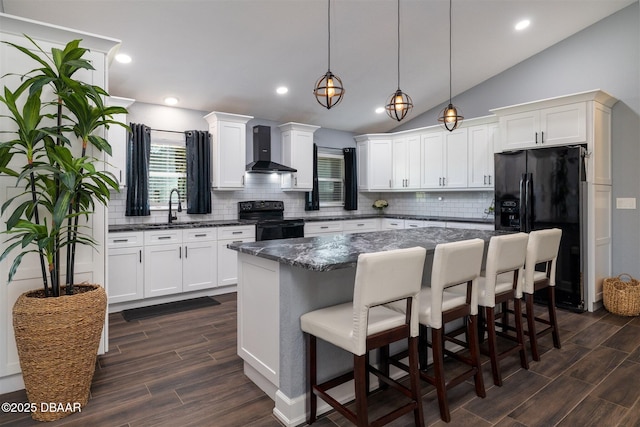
(470, 225)
(392, 224)
(199, 234)
(322, 227)
(125, 240)
(237, 232)
(362, 225)
(162, 237)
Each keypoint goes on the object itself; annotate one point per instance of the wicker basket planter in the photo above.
(621, 295)
(58, 340)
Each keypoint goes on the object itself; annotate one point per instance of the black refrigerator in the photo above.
(546, 188)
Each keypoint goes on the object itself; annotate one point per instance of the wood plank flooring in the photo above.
(182, 370)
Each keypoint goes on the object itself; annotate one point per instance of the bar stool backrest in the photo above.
(455, 263)
(543, 247)
(383, 277)
(505, 254)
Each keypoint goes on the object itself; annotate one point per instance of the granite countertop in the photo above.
(341, 251)
(177, 224)
(222, 223)
(398, 216)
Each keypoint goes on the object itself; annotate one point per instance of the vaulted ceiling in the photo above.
(231, 55)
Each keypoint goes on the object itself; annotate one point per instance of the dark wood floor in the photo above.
(182, 370)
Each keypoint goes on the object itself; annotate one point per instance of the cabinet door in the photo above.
(565, 124)
(519, 131)
(380, 170)
(199, 266)
(414, 161)
(232, 149)
(297, 152)
(480, 157)
(456, 159)
(228, 262)
(117, 137)
(432, 155)
(399, 154)
(162, 270)
(126, 273)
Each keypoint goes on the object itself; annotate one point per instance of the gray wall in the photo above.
(604, 56)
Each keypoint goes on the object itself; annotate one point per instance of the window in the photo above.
(331, 179)
(167, 169)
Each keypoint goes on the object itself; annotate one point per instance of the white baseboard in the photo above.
(117, 307)
(11, 383)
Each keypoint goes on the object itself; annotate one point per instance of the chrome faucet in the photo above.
(173, 217)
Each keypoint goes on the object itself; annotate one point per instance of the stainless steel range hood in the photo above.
(262, 153)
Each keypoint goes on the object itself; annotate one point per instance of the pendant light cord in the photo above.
(398, 44)
(450, 44)
(329, 32)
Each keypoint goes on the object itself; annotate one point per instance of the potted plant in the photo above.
(56, 117)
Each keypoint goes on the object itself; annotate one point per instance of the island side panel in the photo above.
(302, 291)
(258, 317)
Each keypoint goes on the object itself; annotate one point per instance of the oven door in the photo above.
(279, 230)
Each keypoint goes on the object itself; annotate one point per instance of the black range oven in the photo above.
(270, 222)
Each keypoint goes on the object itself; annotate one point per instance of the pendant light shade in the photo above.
(329, 89)
(450, 117)
(399, 104)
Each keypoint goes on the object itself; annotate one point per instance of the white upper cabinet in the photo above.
(561, 125)
(480, 146)
(406, 164)
(581, 118)
(228, 150)
(117, 137)
(444, 159)
(374, 154)
(297, 152)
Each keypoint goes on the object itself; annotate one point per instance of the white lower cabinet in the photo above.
(360, 225)
(392, 224)
(319, 228)
(198, 266)
(126, 271)
(162, 270)
(228, 259)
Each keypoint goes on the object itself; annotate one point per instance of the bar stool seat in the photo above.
(366, 324)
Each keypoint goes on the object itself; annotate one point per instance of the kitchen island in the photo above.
(279, 280)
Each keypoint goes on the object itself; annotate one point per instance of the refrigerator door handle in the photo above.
(529, 202)
(523, 209)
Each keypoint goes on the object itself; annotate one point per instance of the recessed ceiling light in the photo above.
(522, 24)
(379, 110)
(282, 90)
(123, 58)
(171, 100)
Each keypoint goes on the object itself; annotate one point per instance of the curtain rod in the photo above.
(330, 148)
(170, 131)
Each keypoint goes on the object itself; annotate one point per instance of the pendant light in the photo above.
(400, 103)
(329, 90)
(450, 117)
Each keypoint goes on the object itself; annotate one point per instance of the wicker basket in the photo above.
(621, 295)
(57, 340)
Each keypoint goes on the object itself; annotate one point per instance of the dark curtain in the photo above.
(198, 172)
(350, 179)
(312, 198)
(138, 152)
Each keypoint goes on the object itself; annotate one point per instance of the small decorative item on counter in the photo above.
(380, 204)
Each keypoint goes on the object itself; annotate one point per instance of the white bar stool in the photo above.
(365, 324)
(542, 250)
(453, 264)
(501, 283)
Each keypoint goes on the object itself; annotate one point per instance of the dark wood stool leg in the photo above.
(384, 365)
(517, 309)
(493, 345)
(423, 345)
(438, 372)
(475, 355)
(552, 316)
(505, 316)
(414, 377)
(531, 327)
(359, 376)
(311, 372)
